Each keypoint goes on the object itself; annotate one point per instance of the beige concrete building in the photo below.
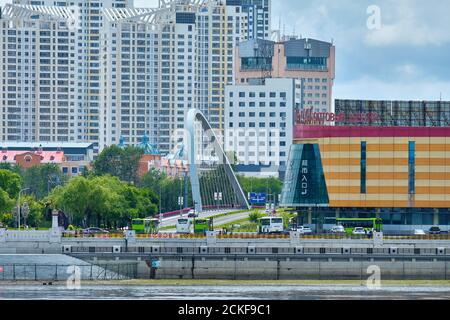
(312, 61)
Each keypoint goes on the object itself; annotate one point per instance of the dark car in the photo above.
(95, 231)
(192, 214)
(434, 230)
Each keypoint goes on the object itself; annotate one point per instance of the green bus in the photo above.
(368, 224)
(202, 225)
(145, 226)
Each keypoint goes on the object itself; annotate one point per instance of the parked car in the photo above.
(192, 214)
(434, 230)
(359, 231)
(337, 229)
(95, 231)
(304, 230)
(419, 232)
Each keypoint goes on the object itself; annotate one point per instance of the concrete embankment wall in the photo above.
(291, 269)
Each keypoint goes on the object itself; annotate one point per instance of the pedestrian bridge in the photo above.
(213, 181)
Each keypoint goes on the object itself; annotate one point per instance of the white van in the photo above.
(184, 226)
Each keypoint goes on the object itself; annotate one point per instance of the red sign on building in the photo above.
(309, 117)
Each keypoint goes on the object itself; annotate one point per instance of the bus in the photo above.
(369, 224)
(203, 225)
(145, 226)
(184, 226)
(270, 225)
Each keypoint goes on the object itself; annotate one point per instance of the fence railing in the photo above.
(57, 272)
(252, 235)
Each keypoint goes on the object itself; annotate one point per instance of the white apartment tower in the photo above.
(86, 19)
(39, 89)
(100, 71)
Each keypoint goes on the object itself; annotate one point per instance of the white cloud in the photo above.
(371, 88)
(406, 22)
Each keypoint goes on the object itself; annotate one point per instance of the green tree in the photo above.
(103, 201)
(6, 203)
(169, 188)
(118, 162)
(10, 182)
(42, 179)
(9, 167)
(261, 185)
(255, 216)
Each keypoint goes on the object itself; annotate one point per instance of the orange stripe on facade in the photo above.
(368, 204)
(433, 176)
(370, 190)
(431, 190)
(430, 162)
(433, 147)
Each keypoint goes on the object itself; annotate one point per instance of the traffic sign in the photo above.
(257, 198)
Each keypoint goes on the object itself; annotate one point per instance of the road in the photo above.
(171, 222)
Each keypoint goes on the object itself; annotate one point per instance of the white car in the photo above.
(338, 229)
(419, 232)
(359, 231)
(304, 230)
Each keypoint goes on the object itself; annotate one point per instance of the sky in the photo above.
(385, 49)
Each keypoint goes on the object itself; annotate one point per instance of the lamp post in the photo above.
(18, 206)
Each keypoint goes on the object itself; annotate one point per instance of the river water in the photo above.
(313, 292)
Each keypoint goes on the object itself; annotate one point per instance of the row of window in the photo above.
(262, 104)
(261, 94)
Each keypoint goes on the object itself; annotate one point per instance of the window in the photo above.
(241, 94)
(363, 167)
(411, 167)
(273, 95)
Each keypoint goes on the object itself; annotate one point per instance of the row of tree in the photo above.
(109, 195)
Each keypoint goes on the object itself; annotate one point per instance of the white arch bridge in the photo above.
(213, 181)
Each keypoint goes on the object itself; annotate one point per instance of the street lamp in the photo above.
(18, 205)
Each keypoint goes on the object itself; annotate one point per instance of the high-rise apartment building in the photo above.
(85, 19)
(39, 91)
(180, 54)
(257, 15)
(312, 61)
(130, 72)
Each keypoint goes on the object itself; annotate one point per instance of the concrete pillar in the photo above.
(55, 232)
(338, 213)
(130, 236)
(55, 215)
(378, 214)
(309, 216)
(211, 237)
